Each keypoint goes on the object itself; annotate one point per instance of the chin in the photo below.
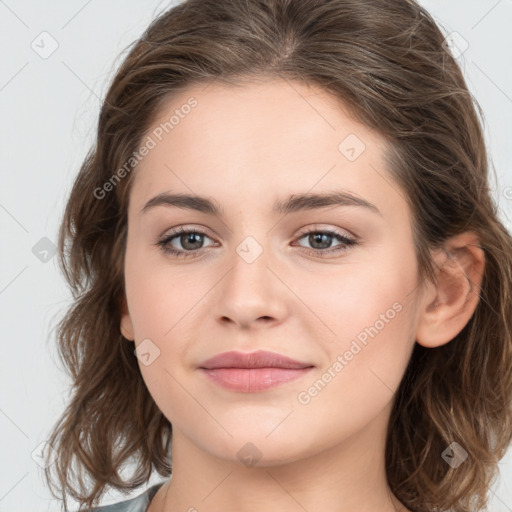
(254, 447)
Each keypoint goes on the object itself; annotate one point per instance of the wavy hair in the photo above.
(386, 62)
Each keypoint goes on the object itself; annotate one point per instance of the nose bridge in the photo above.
(250, 290)
(250, 275)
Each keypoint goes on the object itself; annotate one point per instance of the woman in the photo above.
(289, 273)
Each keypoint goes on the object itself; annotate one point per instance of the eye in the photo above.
(191, 240)
(322, 242)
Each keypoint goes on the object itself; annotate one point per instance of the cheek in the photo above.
(165, 310)
(370, 311)
(364, 368)
(360, 298)
(160, 297)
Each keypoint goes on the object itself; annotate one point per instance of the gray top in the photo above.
(138, 504)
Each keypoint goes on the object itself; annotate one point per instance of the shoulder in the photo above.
(138, 504)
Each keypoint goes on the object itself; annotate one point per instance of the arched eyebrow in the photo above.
(300, 202)
(295, 203)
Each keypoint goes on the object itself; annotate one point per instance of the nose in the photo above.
(251, 295)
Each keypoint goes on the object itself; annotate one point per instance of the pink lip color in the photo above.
(253, 372)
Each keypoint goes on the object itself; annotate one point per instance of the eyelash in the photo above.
(166, 248)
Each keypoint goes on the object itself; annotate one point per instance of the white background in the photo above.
(49, 110)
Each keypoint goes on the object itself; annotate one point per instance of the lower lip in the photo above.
(251, 380)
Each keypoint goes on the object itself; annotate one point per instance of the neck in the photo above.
(348, 477)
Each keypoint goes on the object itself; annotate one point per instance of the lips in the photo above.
(259, 359)
(254, 371)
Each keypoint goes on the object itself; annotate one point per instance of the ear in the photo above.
(449, 303)
(126, 321)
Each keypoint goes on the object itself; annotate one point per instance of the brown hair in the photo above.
(385, 61)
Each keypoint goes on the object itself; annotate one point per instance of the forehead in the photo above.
(251, 140)
(272, 115)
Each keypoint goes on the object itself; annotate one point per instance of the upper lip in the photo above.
(258, 359)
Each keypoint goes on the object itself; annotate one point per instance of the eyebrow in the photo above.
(295, 203)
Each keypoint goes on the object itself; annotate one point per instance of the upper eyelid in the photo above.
(302, 231)
(319, 228)
(186, 229)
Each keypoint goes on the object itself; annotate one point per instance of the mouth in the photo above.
(253, 372)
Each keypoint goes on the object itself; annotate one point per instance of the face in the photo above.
(329, 282)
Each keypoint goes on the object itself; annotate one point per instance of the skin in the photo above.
(246, 147)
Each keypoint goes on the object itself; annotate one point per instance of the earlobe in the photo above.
(451, 301)
(126, 321)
